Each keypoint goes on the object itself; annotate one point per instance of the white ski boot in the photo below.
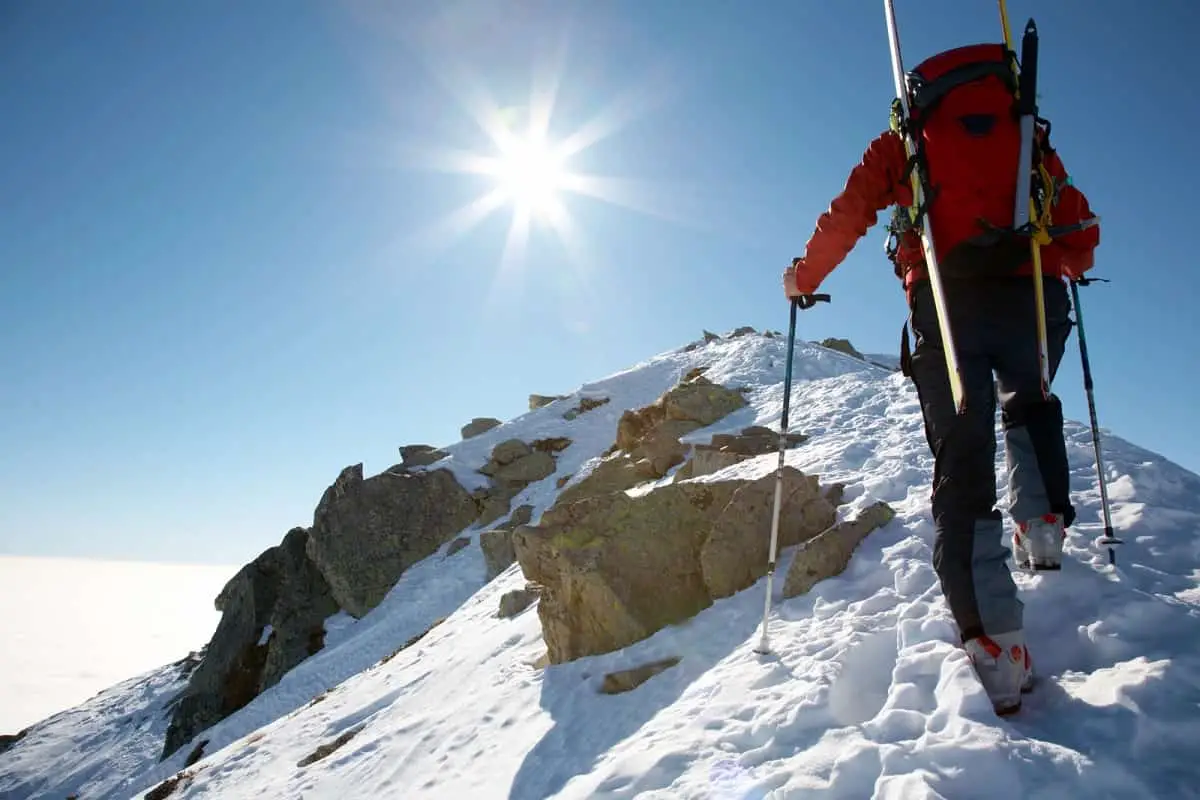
(1004, 667)
(1038, 543)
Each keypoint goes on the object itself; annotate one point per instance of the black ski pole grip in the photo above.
(807, 301)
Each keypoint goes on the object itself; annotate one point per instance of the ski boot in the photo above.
(1004, 667)
(1038, 543)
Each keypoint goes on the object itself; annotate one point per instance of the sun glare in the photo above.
(526, 169)
(530, 173)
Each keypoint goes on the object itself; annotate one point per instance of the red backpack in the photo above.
(964, 122)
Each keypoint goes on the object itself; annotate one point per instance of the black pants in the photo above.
(994, 325)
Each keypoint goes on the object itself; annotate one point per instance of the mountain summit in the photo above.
(567, 605)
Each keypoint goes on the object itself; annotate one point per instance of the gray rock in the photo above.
(734, 554)
(629, 679)
(420, 455)
(497, 545)
(497, 501)
(527, 469)
(537, 401)
(509, 451)
(8, 740)
(520, 516)
(552, 444)
(367, 532)
(706, 461)
(709, 336)
(835, 493)
(282, 589)
(745, 330)
(586, 404)
(516, 601)
(828, 554)
(842, 346)
(479, 425)
(617, 568)
(701, 401)
(498, 554)
(458, 544)
(727, 449)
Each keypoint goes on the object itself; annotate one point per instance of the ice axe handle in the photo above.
(807, 301)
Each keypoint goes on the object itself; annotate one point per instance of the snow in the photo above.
(864, 695)
(72, 627)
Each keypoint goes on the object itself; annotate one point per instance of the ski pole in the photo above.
(1108, 539)
(805, 301)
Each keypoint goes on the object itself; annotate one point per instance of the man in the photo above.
(969, 143)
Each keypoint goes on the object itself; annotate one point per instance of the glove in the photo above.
(796, 282)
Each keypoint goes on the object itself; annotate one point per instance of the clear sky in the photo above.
(234, 256)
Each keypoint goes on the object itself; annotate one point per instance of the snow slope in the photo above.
(865, 694)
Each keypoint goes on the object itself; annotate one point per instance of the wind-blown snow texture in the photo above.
(865, 695)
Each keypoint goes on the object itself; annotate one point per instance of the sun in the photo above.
(531, 173)
(526, 167)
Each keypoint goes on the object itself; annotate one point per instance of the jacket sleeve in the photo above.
(1073, 251)
(870, 188)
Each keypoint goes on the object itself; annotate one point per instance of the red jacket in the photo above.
(878, 182)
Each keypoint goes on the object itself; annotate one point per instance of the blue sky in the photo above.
(227, 270)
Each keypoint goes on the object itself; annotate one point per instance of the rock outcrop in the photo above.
(367, 532)
(828, 555)
(516, 601)
(8, 740)
(420, 455)
(627, 680)
(647, 445)
(537, 401)
(514, 464)
(727, 449)
(615, 569)
(497, 544)
(478, 425)
(586, 404)
(842, 346)
(272, 618)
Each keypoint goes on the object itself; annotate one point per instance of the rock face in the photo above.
(513, 466)
(420, 455)
(615, 569)
(537, 401)
(735, 553)
(648, 445)
(516, 601)
(629, 679)
(586, 404)
(8, 740)
(478, 425)
(367, 532)
(842, 346)
(497, 544)
(727, 449)
(273, 613)
(828, 554)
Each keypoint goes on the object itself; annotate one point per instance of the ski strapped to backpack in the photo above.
(1023, 212)
(920, 184)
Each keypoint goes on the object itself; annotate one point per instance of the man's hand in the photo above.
(796, 282)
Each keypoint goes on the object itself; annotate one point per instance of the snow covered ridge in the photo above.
(437, 692)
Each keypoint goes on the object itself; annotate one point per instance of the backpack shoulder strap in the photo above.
(939, 75)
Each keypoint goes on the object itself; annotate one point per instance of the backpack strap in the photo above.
(928, 93)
